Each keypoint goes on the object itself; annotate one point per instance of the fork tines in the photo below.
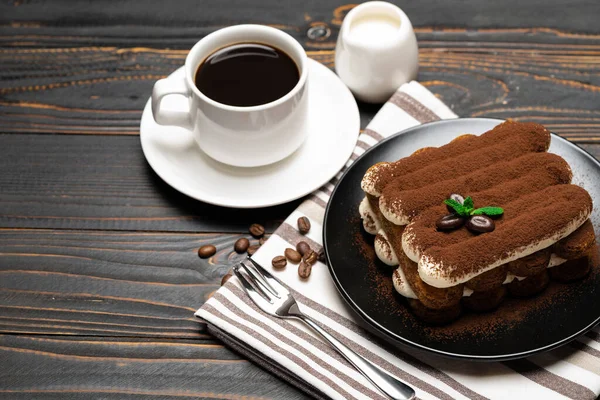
(257, 279)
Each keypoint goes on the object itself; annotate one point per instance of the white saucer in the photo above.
(334, 124)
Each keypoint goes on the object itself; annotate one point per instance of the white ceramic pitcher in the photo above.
(376, 51)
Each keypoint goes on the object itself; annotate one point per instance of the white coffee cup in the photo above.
(376, 51)
(240, 136)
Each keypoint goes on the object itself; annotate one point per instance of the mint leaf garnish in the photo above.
(489, 211)
(468, 203)
(463, 210)
(458, 208)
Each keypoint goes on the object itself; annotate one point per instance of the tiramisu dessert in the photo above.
(478, 219)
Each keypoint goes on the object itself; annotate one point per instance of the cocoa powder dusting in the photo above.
(471, 327)
(504, 167)
(499, 182)
(385, 246)
(378, 276)
(526, 220)
(511, 139)
(513, 311)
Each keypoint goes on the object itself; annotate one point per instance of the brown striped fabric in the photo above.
(293, 358)
(585, 348)
(292, 236)
(317, 200)
(413, 108)
(579, 358)
(297, 332)
(593, 335)
(351, 325)
(360, 350)
(373, 134)
(362, 145)
(552, 381)
(299, 357)
(326, 190)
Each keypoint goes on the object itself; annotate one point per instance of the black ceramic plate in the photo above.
(558, 315)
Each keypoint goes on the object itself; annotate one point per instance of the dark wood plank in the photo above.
(552, 83)
(103, 182)
(88, 68)
(108, 283)
(91, 69)
(60, 368)
(188, 16)
(593, 149)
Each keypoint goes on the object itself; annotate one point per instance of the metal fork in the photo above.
(271, 296)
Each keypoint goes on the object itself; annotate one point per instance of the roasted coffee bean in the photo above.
(449, 222)
(279, 262)
(225, 278)
(262, 241)
(310, 257)
(292, 255)
(257, 230)
(241, 245)
(303, 225)
(456, 197)
(480, 224)
(304, 270)
(207, 251)
(322, 256)
(252, 249)
(302, 247)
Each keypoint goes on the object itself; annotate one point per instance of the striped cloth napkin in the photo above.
(291, 351)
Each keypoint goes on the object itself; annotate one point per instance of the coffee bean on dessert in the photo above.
(241, 245)
(304, 269)
(302, 247)
(252, 249)
(322, 255)
(480, 224)
(279, 262)
(225, 278)
(207, 251)
(310, 257)
(449, 222)
(292, 255)
(303, 225)
(456, 197)
(257, 230)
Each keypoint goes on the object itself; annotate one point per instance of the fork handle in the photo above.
(385, 382)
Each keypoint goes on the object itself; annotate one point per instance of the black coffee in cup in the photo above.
(247, 74)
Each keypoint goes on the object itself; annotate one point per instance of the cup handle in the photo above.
(165, 87)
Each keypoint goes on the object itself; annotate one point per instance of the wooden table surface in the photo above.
(99, 275)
